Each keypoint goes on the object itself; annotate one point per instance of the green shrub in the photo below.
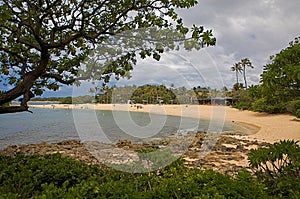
(297, 113)
(25, 175)
(278, 167)
(55, 176)
(242, 105)
(66, 100)
(262, 105)
(293, 106)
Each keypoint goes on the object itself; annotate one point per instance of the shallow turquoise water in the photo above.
(53, 125)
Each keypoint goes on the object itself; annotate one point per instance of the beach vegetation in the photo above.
(279, 90)
(293, 106)
(275, 168)
(245, 63)
(77, 100)
(56, 176)
(240, 67)
(237, 69)
(244, 100)
(281, 80)
(48, 44)
(50, 99)
(297, 113)
(278, 167)
(263, 105)
(154, 94)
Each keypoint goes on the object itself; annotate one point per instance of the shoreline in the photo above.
(229, 154)
(261, 126)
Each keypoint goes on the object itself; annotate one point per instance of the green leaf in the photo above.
(156, 56)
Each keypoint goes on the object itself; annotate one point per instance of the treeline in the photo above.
(77, 100)
(279, 91)
(44, 99)
(157, 94)
(146, 94)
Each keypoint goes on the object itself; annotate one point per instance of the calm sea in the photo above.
(52, 125)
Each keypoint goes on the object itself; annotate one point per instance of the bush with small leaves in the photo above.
(55, 176)
(278, 167)
(263, 105)
(297, 113)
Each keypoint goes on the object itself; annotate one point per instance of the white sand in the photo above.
(271, 128)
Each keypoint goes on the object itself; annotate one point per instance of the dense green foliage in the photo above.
(294, 107)
(77, 100)
(278, 167)
(281, 78)
(25, 176)
(148, 94)
(281, 81)
(55, 176)
(280, 88)
(153, 95)
(46, 99)
(48, 43)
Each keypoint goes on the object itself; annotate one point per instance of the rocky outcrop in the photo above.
(227, 155)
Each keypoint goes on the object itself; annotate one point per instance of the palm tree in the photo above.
(245, 63)
(238, 69)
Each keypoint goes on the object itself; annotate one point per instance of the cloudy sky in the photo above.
(252, 29)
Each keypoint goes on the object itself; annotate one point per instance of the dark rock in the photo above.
(122, 143)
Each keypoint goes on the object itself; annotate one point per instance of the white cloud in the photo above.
(255, 29)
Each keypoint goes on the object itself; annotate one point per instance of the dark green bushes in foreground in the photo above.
(55, 176)
(278, 167)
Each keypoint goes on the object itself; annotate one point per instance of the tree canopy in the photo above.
(43, 43)
(279, 91)
(240, 67)
(237, 69)
(281, 78)
(153, 94)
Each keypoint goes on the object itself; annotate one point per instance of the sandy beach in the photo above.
(261, 126)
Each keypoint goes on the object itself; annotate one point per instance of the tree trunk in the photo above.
(24, 87)
(13, 109)
(244, 71)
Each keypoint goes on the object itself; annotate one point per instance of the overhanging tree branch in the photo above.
(47, 40)
(14, 109)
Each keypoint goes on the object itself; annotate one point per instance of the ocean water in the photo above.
(52, 125)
